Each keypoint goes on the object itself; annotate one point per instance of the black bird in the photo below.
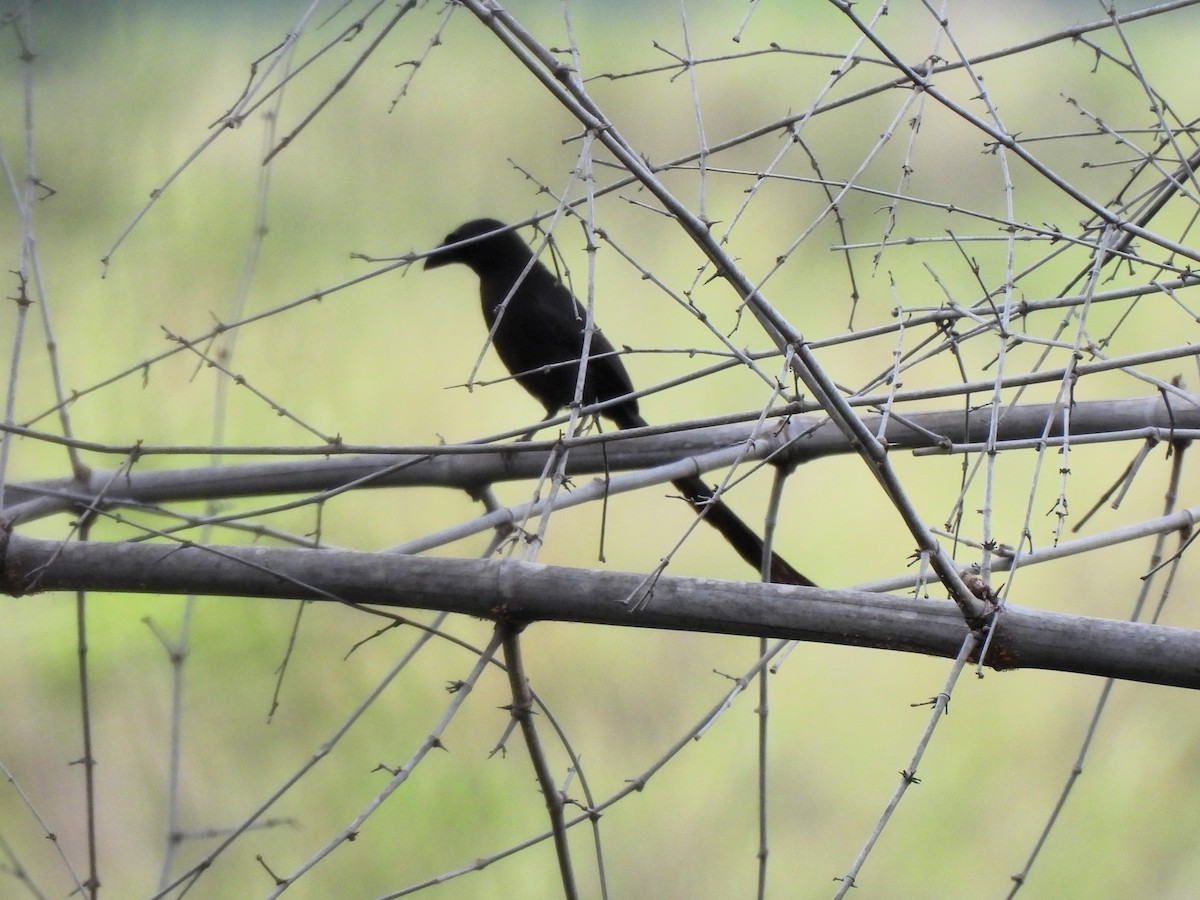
(540, 341)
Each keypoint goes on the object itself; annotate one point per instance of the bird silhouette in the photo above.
(539, 333)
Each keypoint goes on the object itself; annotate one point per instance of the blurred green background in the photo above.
(123, 92)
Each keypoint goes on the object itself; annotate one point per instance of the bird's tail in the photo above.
(716, 512)
(741, 537)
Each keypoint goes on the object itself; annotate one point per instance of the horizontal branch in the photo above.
(798, 440)
(526, 592)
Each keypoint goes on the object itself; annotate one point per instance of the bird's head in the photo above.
(482, 244)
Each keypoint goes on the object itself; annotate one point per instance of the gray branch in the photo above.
(788, 442)
(524, 592)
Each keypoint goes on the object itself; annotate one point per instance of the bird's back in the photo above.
(540, 340)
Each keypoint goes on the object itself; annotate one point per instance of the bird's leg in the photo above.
(528, 436)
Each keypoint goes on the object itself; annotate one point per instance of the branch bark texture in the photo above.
(524, 593)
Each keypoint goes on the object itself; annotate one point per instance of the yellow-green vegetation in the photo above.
(124, 92)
